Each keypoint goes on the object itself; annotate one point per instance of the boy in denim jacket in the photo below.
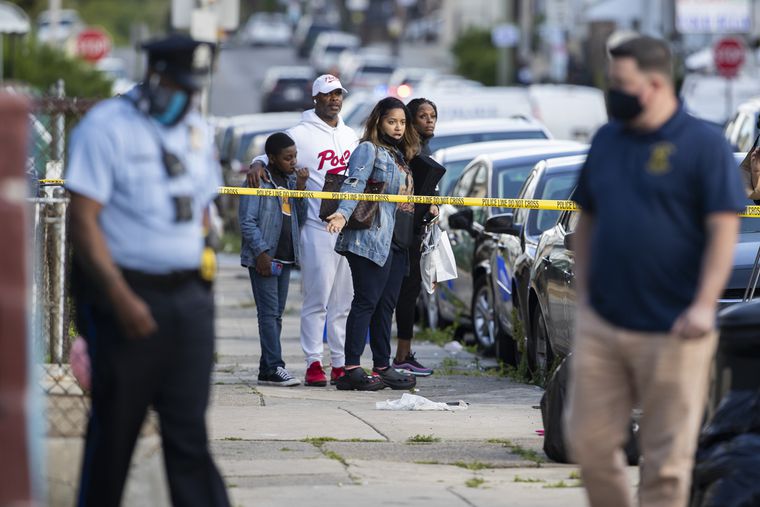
(270, 235)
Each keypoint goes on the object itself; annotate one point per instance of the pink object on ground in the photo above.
(80, 362)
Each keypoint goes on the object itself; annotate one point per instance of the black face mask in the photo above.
(623, 106)
(390, 141)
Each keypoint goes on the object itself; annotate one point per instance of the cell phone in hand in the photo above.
(429, 218)
(276, 268)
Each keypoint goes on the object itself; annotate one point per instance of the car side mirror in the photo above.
(569, 239)
(461, 220)
(503, 223)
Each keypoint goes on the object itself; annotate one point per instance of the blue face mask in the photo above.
(169, 108)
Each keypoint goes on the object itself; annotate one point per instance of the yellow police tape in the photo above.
(545, 204)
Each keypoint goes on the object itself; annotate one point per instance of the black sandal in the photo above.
(356, 379)
(395, 379)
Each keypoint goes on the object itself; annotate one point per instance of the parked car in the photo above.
(367, 71)
(287, 89)
(229, 129)
(267, 29)
(456, 158)
(569, 111)
(511, 262)
(706, 96)
(405, 80)
(306, 33)
(328, 48)
(552, 281)
(744, 127)
(498, 175)
(455, 133)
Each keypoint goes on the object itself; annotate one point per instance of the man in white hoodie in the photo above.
(324, 145)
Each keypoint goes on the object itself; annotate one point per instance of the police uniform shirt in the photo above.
(115, 159)
(650, 195)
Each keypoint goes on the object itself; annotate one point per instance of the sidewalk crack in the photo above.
(367, 423)
(462, 498)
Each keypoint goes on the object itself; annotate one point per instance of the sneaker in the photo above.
(280, 377)
(356, 379)
(413, 366)
(335, 374)
(315, 375)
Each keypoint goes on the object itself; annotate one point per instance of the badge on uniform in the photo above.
(659, 160)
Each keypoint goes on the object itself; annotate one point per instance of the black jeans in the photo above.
(170, 370)
(410, 291)
(376, 290)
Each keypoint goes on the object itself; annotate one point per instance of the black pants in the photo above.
(376, 290)
(170, 370)
(410, 291)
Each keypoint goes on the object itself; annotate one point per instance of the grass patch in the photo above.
(286, 449)
(422, 439)
(475, 465)
(526, 454)
(528, 480)
(563, 484)
(439, 337)
(431, 462)
(475, 482)
(337, 457)
(574, 475)
(318, 441)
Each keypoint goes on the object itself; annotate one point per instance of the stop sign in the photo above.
(729, 56)
(93, 44)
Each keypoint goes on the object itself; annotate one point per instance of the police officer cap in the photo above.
(183, 59)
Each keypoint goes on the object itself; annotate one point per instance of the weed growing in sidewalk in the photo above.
(475, 482)
(574, 475)
(286, 449)
(475, 465)
(337, 457)
(422, 439)
(439, 337)
(528, 480)
(424, 462)
(233, 439)
(318, 441)
(563, 484)
(526, 454)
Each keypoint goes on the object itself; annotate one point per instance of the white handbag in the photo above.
(437, 262)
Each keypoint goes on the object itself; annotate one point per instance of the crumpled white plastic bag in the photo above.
(414, 402)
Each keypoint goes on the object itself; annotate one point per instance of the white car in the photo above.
(404, 81)
(714, 98)
(328, 48)
(743, 128)
(569, 111)
(456, 158)
(267, 29)
(454, 133)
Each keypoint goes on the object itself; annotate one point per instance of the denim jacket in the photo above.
(261, 222)
(370, 162)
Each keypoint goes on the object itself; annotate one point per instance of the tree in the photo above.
(476, 56)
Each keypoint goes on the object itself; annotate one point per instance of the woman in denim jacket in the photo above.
(270, 236)
(378, 256)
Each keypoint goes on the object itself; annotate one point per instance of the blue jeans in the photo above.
(270, 294)
(376, 291)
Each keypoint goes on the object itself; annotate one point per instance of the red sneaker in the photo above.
(315, 375)
(335, 374)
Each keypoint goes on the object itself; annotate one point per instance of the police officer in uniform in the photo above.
(142, 171)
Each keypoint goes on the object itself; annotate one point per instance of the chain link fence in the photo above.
(51, 121)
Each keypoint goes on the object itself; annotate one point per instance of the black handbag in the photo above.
(364, 213)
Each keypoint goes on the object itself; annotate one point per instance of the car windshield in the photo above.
(446, 141)
(510, 179)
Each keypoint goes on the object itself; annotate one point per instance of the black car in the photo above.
(511, 262)
(287, 89)
(497, 175)
(552, 291)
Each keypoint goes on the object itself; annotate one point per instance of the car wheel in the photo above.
(483, 322)
(540, 353)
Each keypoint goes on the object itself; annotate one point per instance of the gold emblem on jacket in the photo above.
(659, 160)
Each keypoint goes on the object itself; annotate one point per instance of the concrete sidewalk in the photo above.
(305, 446)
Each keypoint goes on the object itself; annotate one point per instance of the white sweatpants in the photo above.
(327, 294)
